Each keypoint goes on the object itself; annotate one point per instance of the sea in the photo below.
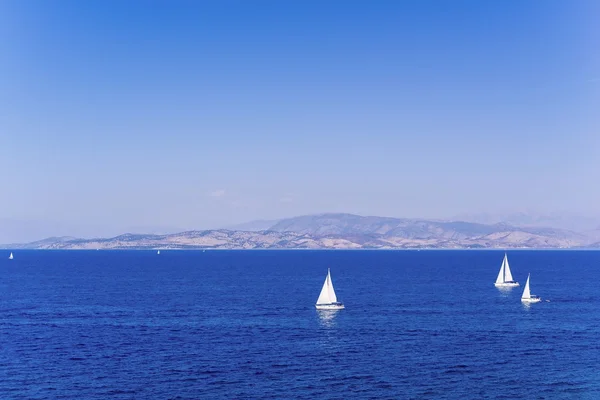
(243, 325)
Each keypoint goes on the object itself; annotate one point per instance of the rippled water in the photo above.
(427, 324)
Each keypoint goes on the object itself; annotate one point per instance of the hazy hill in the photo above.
(253, 226)
(560, 220)
(349, 224)
(343, 231)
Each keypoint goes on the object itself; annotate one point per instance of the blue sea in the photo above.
(242, 325)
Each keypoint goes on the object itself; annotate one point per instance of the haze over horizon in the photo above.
(184, 115)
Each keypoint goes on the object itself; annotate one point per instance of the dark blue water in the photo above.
(233, 325)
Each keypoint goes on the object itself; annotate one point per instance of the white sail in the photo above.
(332, 295)
(507, 275)
(158, 252)
(526, 293)
(500, 278)
(11, 256)
(327, 295)
(505, 278)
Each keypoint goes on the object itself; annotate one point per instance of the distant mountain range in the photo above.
(253, 226)
(340, 231)
(562, 220)
(13, 230)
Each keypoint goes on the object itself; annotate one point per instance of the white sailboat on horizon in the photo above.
(11, 256)
(158, 252)
(327, 299)
(527, 297)
(505, 278)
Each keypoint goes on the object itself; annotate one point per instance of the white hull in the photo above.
(536, 300)
(513, 284)
(329, 306)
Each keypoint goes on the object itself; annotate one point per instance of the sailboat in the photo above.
(158, 252)
(11, 256)
(327, 299)
(527, 297)
(505, 278)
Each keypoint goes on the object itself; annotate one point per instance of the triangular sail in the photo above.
(327, 295)
(324, 296)
(10, 257)
(526, 293)
(507, 275)
(332, 295)
(500, 278)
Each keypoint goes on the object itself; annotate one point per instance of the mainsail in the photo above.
(507, 275)
(327, 295)
(504, 275)
(526, 293)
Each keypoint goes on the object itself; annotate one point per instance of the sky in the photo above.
(148, 115)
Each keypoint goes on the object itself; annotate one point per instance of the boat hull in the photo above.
(331, 306)
(507, 284)
(532, 300)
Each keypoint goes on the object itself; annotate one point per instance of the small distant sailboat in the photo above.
(327, 299)
(527, 297)
(11, 256)
(505, 278)
(158, 252)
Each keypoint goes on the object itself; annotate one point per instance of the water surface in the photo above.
(242, 324)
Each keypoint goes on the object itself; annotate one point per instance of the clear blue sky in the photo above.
(199, 114)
